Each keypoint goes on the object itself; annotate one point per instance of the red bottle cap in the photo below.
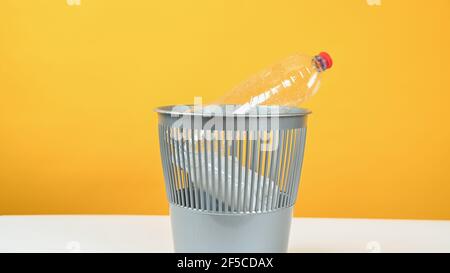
(327, 58)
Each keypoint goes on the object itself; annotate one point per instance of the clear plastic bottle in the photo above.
(287, 83)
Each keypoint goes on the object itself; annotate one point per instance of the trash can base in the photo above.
(195, 231)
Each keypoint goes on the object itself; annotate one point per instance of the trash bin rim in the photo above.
(167, 110)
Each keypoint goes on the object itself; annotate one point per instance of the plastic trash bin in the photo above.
(231, 180)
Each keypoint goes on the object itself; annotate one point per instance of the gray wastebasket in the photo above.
(231, 180)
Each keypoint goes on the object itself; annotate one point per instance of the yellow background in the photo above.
(78, 85)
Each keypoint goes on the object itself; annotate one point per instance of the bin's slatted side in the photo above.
(232, 172)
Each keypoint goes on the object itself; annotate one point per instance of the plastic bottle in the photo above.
(287, 83)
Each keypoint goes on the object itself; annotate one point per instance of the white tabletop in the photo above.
(153, 234)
